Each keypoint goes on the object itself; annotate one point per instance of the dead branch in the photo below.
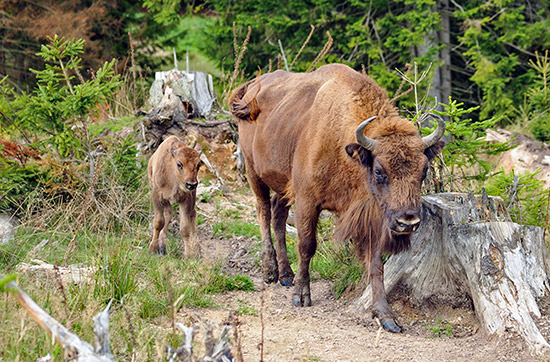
(75, 348)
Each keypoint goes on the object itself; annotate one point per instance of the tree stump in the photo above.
(467, 245)
(180, 104)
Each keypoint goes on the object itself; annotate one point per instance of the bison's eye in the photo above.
(180, 166)
(380, 177)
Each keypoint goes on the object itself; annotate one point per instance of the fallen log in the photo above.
(467, 245)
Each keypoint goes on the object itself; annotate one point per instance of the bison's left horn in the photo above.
(363, 140)
(436, 135)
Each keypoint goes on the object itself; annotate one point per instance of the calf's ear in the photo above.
(434, 150)
(359, 154)
(173, 149)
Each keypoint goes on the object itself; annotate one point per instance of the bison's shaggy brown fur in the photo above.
(297, 136)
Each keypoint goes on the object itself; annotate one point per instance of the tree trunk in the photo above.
(468, 245)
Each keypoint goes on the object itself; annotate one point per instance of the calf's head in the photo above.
(187, 162)
(396, 160)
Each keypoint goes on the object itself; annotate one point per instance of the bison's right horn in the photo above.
(363, 140)
(436, 135)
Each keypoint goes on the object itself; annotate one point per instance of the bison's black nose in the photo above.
(191, 185)
(406, 223)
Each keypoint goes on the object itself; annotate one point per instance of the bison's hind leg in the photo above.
(279, 215)
(263, 208)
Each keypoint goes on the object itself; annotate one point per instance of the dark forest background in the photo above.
(481, 52)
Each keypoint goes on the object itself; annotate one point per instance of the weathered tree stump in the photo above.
(468, 245)
(176, 99)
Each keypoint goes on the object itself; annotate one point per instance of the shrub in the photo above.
(20, 176)
(464, 163)
(540, 128)
(523, 194)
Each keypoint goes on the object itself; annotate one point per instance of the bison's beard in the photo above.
(366, 224)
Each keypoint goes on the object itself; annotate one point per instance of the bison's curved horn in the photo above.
(432, 138)
(363, 140)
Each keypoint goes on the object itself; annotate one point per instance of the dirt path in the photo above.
(332, 330)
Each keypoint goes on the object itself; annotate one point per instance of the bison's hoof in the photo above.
(286, 278)
(298, 302)
(301, 301)
(271, 276)
(390, 325)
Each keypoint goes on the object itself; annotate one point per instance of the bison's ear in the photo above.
(359, 153)
(434, 150)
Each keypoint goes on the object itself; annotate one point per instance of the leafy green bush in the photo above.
(128, 164)
(524, 195)
(540, 128)
(58, 102)
(536, 105)
(18, 184)
(21, 176)
(465, 156)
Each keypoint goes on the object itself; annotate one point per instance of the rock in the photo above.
(529, 156)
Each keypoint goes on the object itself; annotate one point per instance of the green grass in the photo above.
(143, 286)
(336, 262)
(231, 228)
(440, 329)
(112, 124)
(244, 308)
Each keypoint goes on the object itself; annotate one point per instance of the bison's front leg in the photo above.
(380, 307)
(161, 220)
(306, 217)
(188, 227)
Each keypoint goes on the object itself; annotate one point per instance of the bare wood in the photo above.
(468, 245)
(211, 167)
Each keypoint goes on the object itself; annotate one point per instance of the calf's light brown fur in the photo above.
(172, 175)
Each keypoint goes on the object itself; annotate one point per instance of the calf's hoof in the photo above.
(192, 252)
(161, 250)
(389, 325)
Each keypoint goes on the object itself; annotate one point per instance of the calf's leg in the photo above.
(188, 227)
(161, 220)
(380, 307)
(279, 215)
(306, 216)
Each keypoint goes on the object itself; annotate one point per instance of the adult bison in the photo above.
(172, 174)
(332, 140)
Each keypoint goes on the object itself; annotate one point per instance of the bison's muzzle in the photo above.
(405, 223)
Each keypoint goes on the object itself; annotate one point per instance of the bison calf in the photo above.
(172, 174)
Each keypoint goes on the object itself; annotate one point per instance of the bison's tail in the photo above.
(243, 104)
